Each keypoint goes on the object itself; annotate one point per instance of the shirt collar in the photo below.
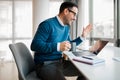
(59, 20)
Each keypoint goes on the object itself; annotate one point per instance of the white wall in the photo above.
(40, 12)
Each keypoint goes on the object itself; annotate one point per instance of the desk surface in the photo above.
(110, 70)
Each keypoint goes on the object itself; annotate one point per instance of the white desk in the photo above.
(110, 70)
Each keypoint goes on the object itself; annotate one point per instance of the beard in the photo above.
(67, 22)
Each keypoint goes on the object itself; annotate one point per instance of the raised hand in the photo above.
(86, 30)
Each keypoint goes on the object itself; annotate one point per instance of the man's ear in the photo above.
(66, 11)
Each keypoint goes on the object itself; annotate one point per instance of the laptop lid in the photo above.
(95, 49)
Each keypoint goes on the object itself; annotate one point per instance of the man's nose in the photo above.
(74, 18)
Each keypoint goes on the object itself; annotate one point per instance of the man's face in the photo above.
(70, 15)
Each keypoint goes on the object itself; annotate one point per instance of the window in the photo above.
(5, 19)
(103, 18)
(15, 24)
(101, 14)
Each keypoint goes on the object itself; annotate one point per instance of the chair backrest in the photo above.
(23, 59)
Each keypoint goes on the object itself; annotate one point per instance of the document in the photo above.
(89, 59)
(116, 58)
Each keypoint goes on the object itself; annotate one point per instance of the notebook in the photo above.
(89, 59)
(94, 50)
(116, 58)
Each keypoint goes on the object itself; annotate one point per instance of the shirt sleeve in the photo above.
(58, 46)
(78, 40)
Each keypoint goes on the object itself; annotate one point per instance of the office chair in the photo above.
(24, 61)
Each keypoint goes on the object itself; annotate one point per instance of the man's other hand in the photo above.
(86, 30)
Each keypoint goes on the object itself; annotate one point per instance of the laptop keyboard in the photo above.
(81, 53)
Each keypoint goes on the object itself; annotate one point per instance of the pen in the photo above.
(87, 57)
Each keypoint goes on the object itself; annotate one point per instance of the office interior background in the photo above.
(19, 20)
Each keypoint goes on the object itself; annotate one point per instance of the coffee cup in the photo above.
(73, 46)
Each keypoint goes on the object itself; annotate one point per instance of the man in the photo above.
(52, 37)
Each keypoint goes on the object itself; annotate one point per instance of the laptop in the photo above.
(93, 51)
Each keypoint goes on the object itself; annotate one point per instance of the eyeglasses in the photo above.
(72, 12)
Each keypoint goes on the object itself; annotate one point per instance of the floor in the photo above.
(8, 71)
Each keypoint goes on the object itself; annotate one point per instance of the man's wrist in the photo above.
(82, 38)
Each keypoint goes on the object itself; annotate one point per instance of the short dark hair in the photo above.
(65, 5)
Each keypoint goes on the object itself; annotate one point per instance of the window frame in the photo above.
(116, 39)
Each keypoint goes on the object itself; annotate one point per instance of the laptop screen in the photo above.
(95, 49)
(98, 46)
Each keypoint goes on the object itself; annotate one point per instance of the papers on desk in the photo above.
(116, 58)
(89, 59)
